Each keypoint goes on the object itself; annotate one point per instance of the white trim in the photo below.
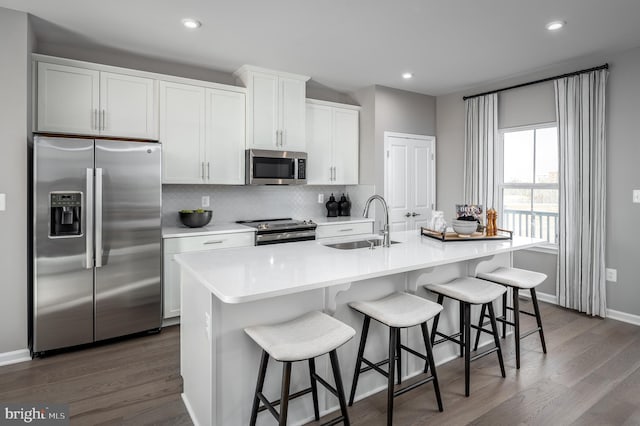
(14, 357)
(623, 316)
(311, 101)
(185, 400)
(545, 297)
(548, 249)
(408, 136)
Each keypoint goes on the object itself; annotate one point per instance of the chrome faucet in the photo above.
(386, 235)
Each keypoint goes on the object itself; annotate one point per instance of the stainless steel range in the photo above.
(285, 230)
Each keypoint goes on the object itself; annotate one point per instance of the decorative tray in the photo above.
(502, 234)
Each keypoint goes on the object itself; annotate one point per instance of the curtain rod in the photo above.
(544, 80)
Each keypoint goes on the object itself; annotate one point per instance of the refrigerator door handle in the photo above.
(88, 224)
(98, 234)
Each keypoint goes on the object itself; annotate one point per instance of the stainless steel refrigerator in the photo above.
(97, 240)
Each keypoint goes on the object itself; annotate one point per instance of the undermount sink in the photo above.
(350, 245)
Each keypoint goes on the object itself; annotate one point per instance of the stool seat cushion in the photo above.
(514, 277)
(308, 336)
(469, 290)
(399, 309)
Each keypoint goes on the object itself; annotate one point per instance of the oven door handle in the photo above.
(284, 236)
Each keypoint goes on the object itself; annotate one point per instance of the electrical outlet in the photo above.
(612, 275)
(3, 202)
(636, 195)
(205, 201)
(320, 198)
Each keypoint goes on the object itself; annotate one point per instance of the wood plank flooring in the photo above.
(591, 376)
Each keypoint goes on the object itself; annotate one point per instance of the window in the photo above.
(528, 189)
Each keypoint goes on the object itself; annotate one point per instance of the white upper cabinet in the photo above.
(128, 106)
(275, 109)
(182, 132)
(332, 143)
(202, 132)
(77, 100)
(68, 99)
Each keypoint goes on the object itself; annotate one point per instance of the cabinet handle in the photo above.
(202, 170)
(208, 170)
(277, 137)
(282, 138)
(214, 242)
(414, 214)
(104, 119)
(407, 215)
(94, 119)
(345, 230)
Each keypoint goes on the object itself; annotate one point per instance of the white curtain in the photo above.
(580, 108)
(480, 136)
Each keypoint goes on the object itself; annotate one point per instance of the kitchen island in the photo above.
(227, 290)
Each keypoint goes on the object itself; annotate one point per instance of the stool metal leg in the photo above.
(284, 398)
(259, 386)
(392, 349)
(427, 344)
(466, 339)
(462, 323)
(337, 377)
(483, 311)
(496, 338)
(356, 374)
(436, 319)
(504, 315)
(536, 309)
(314, 387)
(398, 359)
(516, 323)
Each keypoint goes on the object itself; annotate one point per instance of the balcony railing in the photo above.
(532, 224)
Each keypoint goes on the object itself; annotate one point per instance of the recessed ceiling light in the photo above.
(407, 75)
(192, 24)
(555, 25)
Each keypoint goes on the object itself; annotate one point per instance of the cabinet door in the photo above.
(68, 99)
(182, 132)
(345, 146)
(170, 287)
(292, 114)
(319, 135)
(128, 106)
(225, 137)
(263, 112)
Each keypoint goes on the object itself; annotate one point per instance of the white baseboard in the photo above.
(185, 400)
(611, 313)
(623, 316)
(14, 357)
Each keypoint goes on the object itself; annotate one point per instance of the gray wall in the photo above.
(623, 152)
(14, 62)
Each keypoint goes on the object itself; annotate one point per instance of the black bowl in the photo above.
(195, 219)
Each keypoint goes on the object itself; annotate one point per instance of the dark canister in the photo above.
(332, 207)
(345, 206)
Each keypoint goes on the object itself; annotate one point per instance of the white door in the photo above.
(68, 99)
(128, 106)
(225, 137)
(182, 133)
(263, 117)
(319, 141)
(345, 146)
(292, 93)
(409, 179)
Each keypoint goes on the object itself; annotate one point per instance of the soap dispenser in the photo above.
(332, 207)
(345, 206)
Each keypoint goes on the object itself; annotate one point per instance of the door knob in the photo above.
(414, 214)
(407, 215)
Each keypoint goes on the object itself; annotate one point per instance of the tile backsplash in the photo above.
(231, 203)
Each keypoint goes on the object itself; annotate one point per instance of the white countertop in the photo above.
(211, 229)
(340, 220)
(238, 275)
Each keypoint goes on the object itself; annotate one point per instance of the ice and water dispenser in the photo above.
(65, 214)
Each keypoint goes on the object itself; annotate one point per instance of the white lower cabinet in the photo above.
(343, 229)
(171, 270)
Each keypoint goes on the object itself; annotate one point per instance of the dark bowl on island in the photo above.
(195, 218)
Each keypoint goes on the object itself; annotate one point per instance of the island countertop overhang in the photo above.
(240, 275)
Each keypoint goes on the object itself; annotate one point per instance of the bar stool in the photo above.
(469, 291)
(304, 338)
(397, 311)
(516, 279)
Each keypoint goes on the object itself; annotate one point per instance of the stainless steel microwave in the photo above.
(266, 167)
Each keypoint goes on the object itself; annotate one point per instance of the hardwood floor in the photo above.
(591, 376)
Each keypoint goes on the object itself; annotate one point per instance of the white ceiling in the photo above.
(449, 45)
